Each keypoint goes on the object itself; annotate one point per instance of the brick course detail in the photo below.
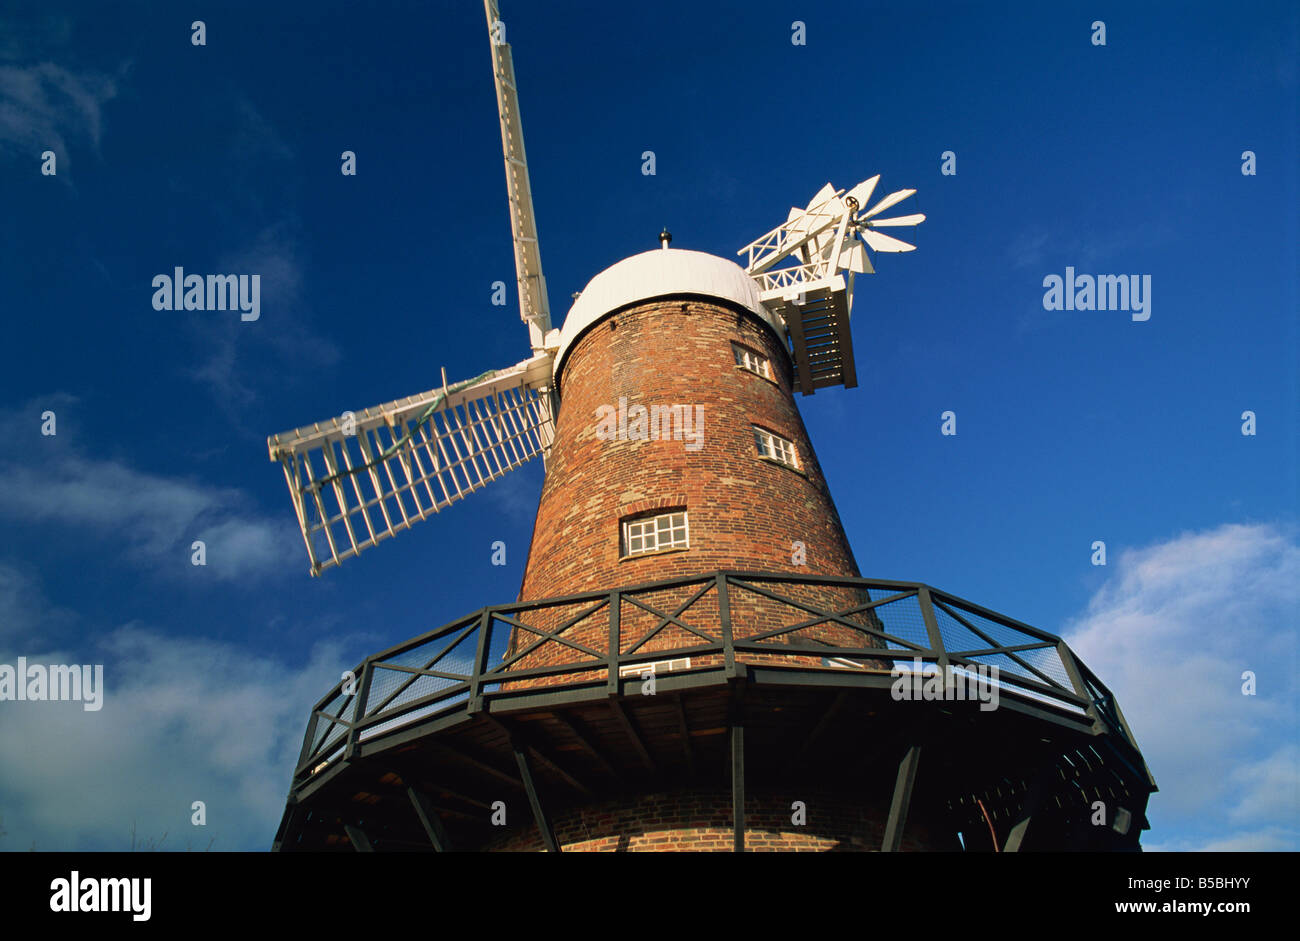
(744, 512)
(700, 821)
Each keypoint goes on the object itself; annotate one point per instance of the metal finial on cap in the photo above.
(665, 237)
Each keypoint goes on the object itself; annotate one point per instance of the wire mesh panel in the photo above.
(1040, 661)
(904, 623)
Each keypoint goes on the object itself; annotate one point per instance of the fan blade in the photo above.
(862, 192)
(885, 203)
(823, 194)
(356, 482)
(794, 229)
(854, 258)
(916, 219)
(818, 220)
(885, 243)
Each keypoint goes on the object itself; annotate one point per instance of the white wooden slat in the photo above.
(473, 436)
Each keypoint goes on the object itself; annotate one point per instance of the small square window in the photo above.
(775, 447)
(752, 361)
(655, 533)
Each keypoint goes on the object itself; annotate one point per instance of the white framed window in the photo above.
(775, 447)
(843, 663)
(657, 667)
(655, 533)
(752, 361)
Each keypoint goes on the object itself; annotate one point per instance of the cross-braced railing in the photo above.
(787, 279)
(708, 622)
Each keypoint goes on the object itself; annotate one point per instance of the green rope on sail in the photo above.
(392, 449)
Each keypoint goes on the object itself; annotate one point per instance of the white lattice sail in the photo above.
(360, 478)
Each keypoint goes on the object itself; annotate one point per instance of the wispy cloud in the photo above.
(152, 517)
(227, 344)
(47, 107)
(1171, 632)
(1039, 246)
(257, 137)
(516, 494)
(1029, 248)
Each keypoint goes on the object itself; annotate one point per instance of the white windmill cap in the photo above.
(661, 272)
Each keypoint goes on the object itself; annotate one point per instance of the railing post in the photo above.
(611, 658)
(1080, 688)
(724, 617)
(1128, 733)
(363, 693)
(306, 744)
(932, 627)
(475, 703)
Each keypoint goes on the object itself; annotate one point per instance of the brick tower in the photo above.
(680, 337)
(679, 451)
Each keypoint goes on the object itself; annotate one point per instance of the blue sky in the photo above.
(1073, 426)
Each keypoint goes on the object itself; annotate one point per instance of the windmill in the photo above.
(362, 477)
(692, 636)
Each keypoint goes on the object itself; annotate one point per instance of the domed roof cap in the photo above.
(660, 272)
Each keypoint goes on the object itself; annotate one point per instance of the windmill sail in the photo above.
(533, 305)
(360, 478)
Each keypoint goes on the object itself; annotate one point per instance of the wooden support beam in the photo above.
(738, 786)
(827, 717)
(515, 734)
(793, 315)
(844, 337)
(430, 820)
(539, 815)
(408, 773)
(357, 837)
(463, 798)
(584, 738)
(1038, 790)
(459, 754)
(902, 799)
(287, 825)
(685, 732)
(440, 790)
(633, 736)
(559, 770)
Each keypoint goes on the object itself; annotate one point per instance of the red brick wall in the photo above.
(700, 821)
(744, 512)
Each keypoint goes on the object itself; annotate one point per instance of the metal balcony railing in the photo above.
(720, 620)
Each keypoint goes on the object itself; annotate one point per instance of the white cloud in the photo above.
(183, 720)
(1268, 840)
(1270, 789)
(1171, 633)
